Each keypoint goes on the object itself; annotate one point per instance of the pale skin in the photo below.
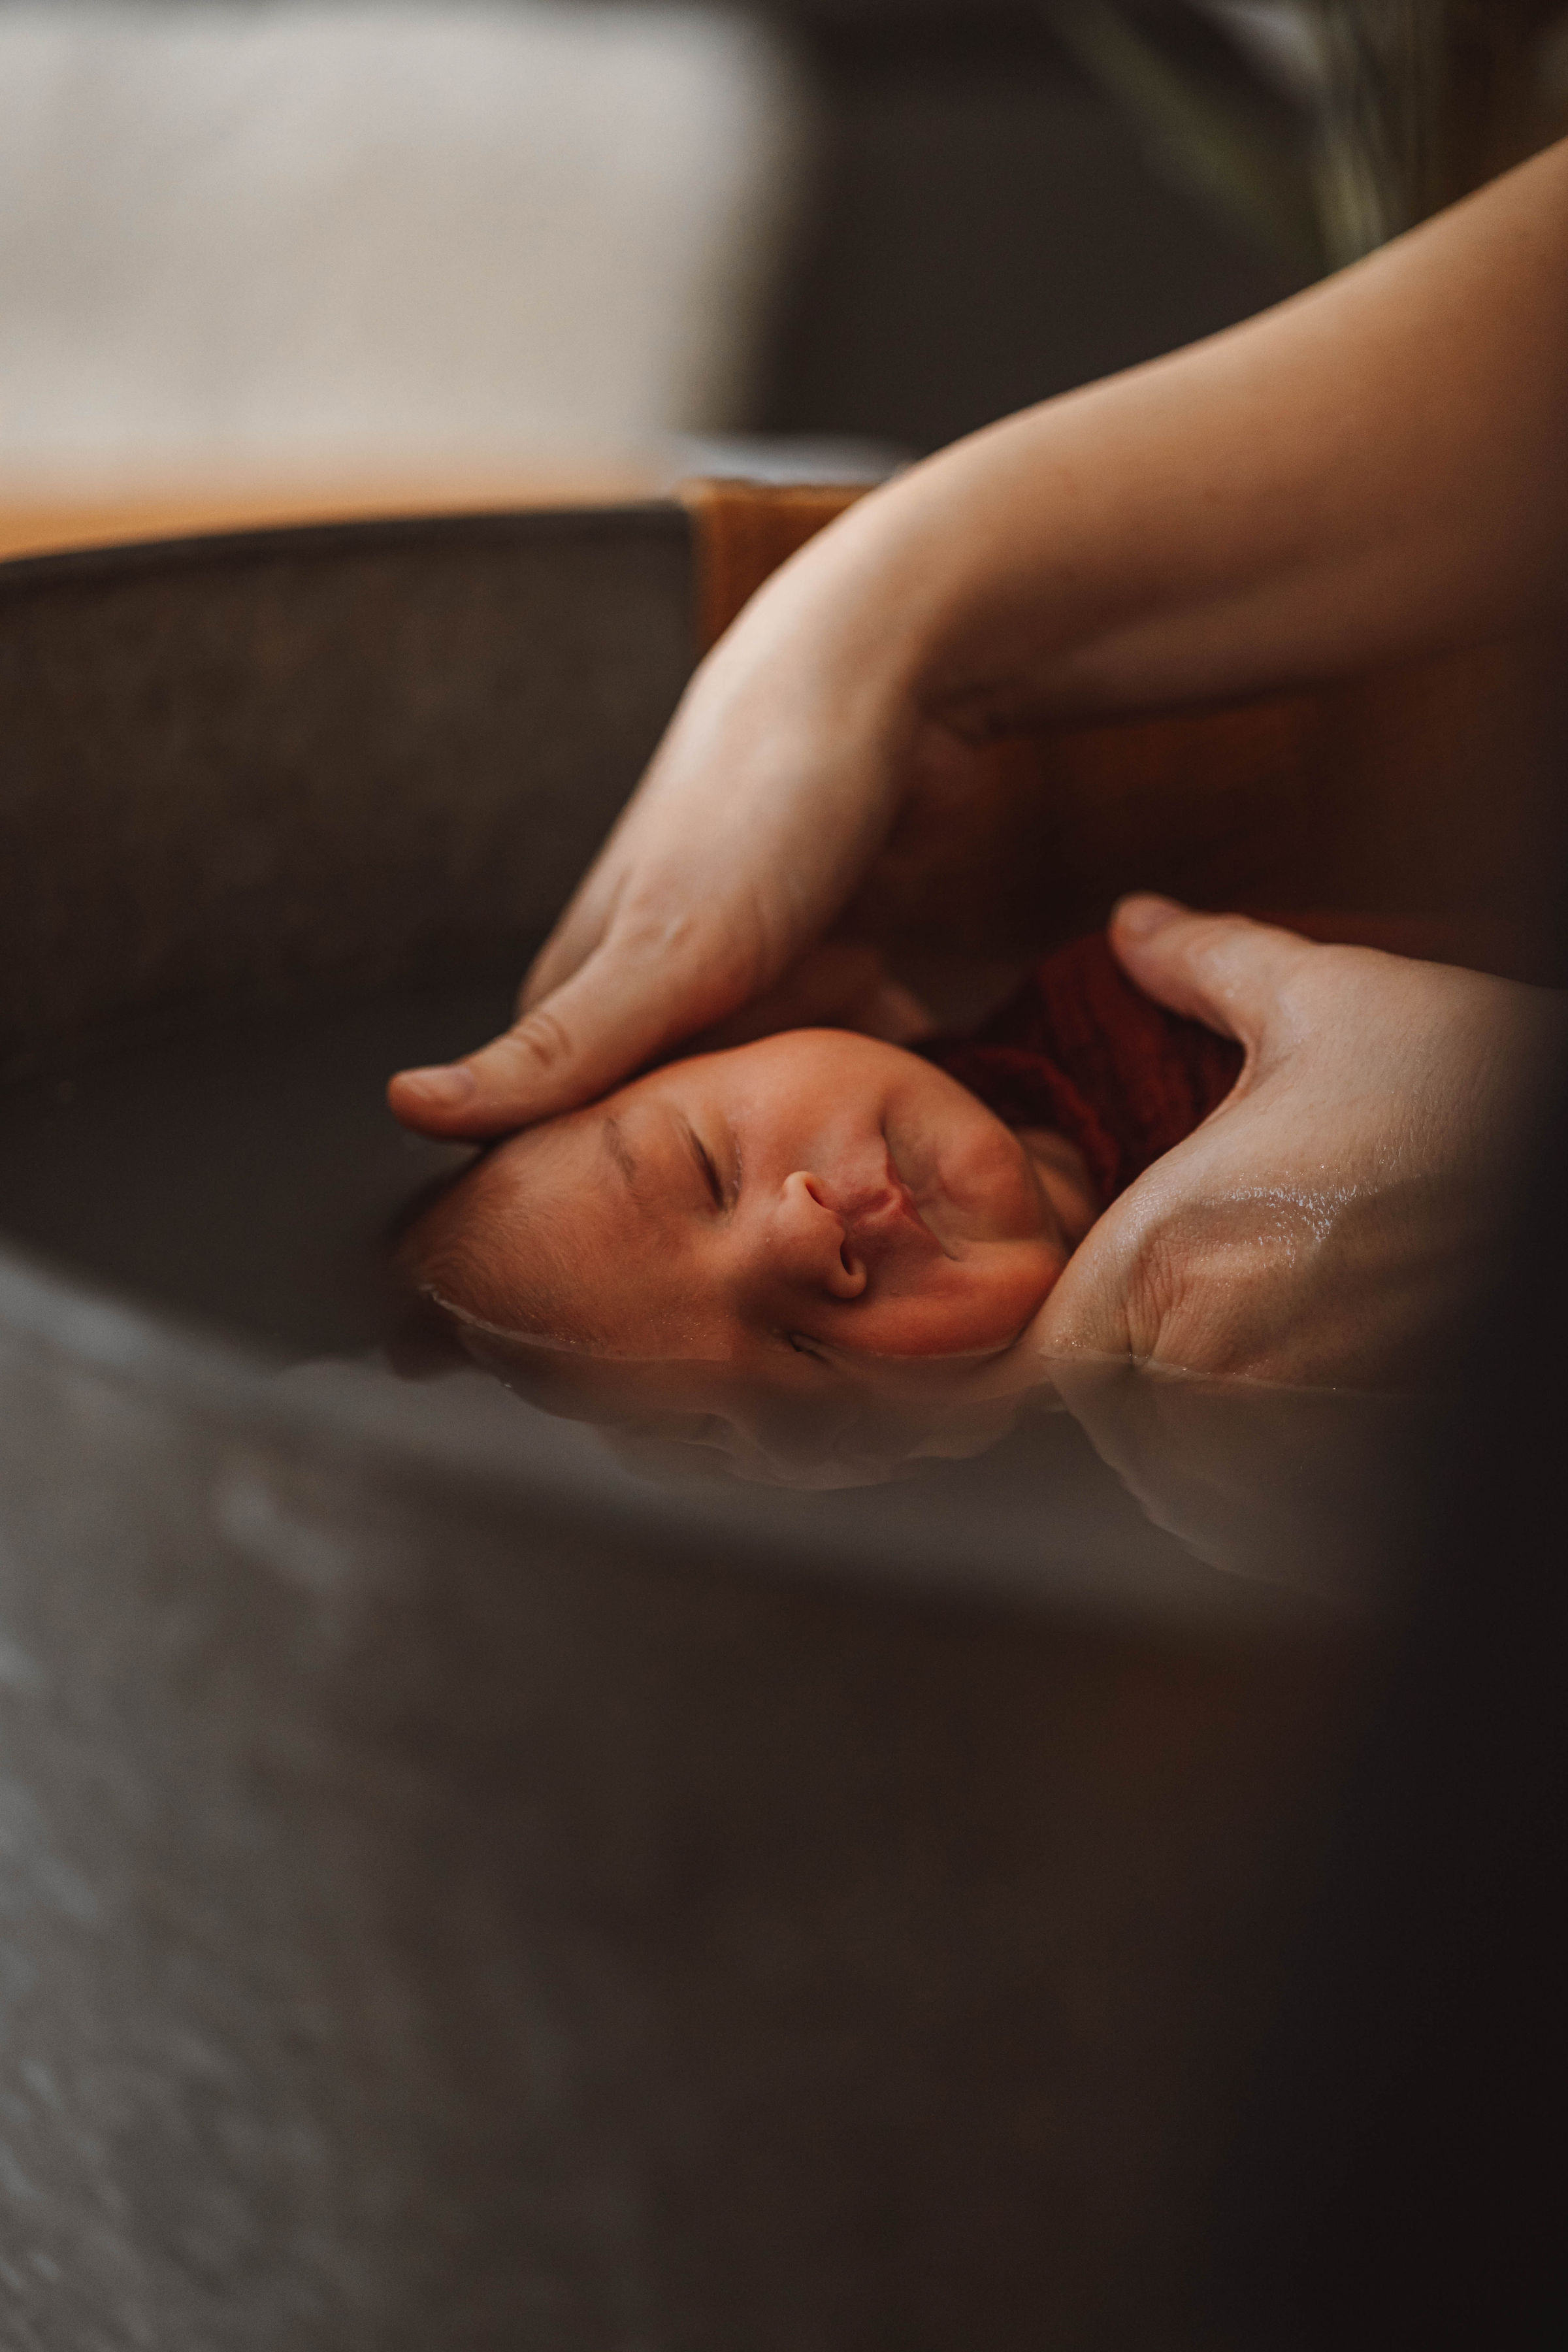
(787, 1209)
(1326, 488)
(1331, 1217)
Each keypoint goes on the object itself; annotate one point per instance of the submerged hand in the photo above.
(1330, 1219)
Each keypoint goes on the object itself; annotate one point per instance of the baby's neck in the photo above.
(1064, 1179)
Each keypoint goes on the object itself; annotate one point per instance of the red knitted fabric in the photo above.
(1078, 1050)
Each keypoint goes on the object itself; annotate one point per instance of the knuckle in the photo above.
(1233, 956)
(653, 932)
(1215, 940)
(540, 1037)
(679, 945)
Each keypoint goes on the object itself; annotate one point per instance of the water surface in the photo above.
(245, 1174)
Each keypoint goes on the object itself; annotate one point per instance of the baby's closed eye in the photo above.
(710, 1171)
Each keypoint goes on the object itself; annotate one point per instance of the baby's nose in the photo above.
(815, 1240)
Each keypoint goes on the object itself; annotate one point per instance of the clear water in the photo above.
(245, 1173)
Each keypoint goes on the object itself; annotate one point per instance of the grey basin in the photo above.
(457, 1894)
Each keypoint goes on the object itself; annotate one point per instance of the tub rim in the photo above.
(653, 518)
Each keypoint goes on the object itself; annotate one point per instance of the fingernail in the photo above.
(445, 1084)
(1140, 917)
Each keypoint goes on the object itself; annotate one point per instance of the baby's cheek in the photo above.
(1005, 1288)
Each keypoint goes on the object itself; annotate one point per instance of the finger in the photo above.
(581, 928)
(606, 1021)
(1223, 969)
(1096, 1310)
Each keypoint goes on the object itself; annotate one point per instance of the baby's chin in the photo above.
(947, 1334)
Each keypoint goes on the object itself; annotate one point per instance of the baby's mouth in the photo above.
(913, 1208)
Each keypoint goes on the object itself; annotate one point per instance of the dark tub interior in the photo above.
(325, 790)
(240, 1172)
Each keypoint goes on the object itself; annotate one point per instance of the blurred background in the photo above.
(265, 258)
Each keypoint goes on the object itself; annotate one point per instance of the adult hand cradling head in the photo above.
(816, 1208)
(1318, 492)
(1331, 1219)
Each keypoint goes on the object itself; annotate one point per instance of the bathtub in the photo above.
(458, 1892)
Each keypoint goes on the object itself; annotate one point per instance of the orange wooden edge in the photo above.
(743, 531)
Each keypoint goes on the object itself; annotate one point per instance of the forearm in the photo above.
(1375, 469)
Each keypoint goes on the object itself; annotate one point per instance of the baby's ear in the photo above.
(423, 1343)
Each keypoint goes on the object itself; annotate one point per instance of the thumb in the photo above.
(592, 1031)
(1223, 969)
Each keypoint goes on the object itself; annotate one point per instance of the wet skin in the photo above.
(815, 1196)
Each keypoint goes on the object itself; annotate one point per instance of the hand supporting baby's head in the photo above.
(814, 1213)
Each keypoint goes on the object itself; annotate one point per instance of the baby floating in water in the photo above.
(819, 1207)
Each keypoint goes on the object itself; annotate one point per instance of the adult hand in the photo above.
(776, 784)
(1318, 493)
(1331, 1218)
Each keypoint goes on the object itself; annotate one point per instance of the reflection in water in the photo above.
(247, 1175)
(1301, 1487)
(1305, 1487)
(856, 1423)
(1308, 1487)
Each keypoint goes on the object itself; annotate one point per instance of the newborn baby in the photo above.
(821, 1205)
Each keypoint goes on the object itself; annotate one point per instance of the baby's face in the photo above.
(815, 1196)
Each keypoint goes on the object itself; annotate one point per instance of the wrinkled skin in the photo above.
(1329, 1220)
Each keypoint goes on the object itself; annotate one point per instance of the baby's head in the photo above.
(790, 1210)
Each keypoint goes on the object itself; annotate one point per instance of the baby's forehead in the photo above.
(561, 1167)
(549, 1206)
